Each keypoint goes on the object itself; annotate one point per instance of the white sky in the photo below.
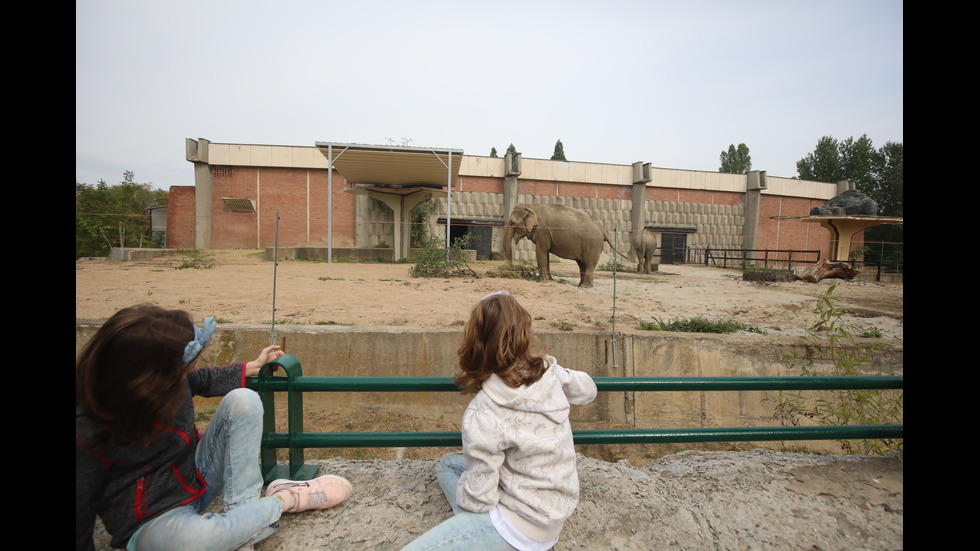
(669, 83)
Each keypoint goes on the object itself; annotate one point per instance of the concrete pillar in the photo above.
(402, 204)
(512, 172)
(753, 208)
(197, 153)
(638, 199)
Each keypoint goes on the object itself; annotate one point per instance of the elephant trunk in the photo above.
(509, 243)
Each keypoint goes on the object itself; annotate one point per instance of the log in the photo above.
(824, 269)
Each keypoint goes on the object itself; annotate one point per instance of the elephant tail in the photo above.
(612, 244)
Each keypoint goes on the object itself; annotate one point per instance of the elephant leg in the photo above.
(584, 274)
(544, 263)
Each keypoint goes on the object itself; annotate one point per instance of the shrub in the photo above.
(698, 325)
(754, 272)
(432, 260)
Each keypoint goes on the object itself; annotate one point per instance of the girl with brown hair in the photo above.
(140, 464)
(516, 482)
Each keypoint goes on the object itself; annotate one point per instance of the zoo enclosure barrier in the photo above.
(295, 440)
(740, 257)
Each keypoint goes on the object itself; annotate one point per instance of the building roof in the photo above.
(390, 165)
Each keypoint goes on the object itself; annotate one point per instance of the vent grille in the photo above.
(221, 172)
(234, 204)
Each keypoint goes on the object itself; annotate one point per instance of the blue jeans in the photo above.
(464, 530)
(227, 457)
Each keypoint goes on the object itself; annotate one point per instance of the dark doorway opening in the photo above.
(673, 243)
(480, 233)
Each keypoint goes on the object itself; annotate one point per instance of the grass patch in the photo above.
(197, 260)
(754, 272)
(699, 325)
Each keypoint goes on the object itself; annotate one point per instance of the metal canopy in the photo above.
(387, 165)
(399, 176)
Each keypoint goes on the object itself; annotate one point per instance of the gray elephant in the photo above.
(645, 246)
(559, 230)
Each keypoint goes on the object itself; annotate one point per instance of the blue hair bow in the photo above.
(201, 337)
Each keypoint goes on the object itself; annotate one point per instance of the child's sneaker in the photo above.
(320, 493)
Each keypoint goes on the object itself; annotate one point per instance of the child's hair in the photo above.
(497, 339)
(131, 375)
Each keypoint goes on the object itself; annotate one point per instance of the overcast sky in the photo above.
(669, 83)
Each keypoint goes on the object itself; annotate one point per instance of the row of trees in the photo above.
(558, 155)
(877, 172)
(109, 216)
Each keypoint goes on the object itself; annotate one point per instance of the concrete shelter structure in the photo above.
(362, 197)
(400, 177)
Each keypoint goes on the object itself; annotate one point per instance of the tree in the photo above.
(511, 149)
(108, 216)
(559, 154)
(493, 152)
(736, 161)
(823, 165)
(876, 172)
(889, 187)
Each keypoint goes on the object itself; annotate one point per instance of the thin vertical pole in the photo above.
(615, 264)
(329, 204)
(449, 203)
(275, 269)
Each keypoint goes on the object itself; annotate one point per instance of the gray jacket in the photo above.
(126, 485)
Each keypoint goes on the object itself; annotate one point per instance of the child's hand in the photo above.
(268, 354)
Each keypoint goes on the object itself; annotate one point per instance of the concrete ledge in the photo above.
(368, 351)
(123, 254)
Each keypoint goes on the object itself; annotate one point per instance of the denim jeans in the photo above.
(227, 457)
(464, 530)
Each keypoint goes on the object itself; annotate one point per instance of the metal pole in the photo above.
(329, 204)
(449, 203)
(275, 266)
(615, 263)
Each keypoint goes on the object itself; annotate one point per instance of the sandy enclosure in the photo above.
(238, 288)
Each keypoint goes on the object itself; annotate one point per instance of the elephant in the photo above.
(645, 247)
(559, 230)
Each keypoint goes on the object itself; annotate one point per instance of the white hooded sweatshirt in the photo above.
(519, 451)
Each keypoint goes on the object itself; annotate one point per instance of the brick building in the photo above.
(241, 189)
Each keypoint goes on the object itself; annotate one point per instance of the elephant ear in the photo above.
(530, 220)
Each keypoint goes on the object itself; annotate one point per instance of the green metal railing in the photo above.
(294, 385)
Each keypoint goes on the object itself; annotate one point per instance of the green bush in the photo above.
(698, 325)
(432, 260)
(754, 272)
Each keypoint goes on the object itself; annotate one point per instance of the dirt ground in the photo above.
(237, 287)
(643, 497)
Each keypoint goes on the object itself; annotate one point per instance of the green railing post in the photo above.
(297, 469)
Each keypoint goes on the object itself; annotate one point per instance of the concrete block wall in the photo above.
(376, 223)
(718, 225)
(326, 351)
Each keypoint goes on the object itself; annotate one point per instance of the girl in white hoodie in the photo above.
(516, 481)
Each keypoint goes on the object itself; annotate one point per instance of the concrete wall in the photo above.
(346, 351)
